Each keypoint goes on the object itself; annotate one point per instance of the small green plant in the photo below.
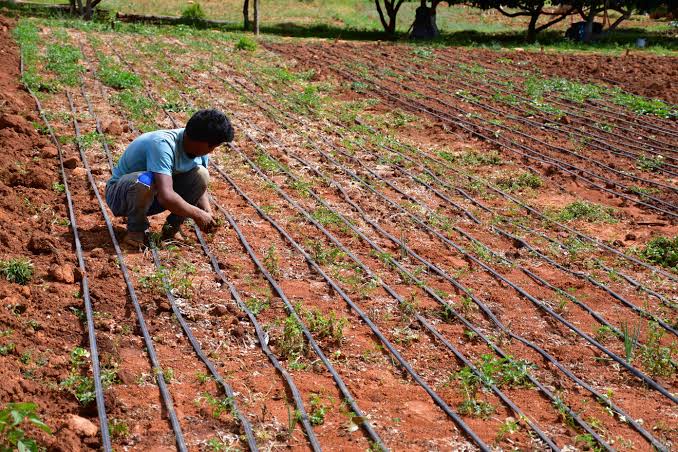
(587, 211)
(7, 348)
(256, 305)
(292, 340)
(655, 357)
(118, 428)
(12, 437)
(193, 12)
(58, 187)
(82, 387)
(509, 427)
(651, 164)
(631, 336)
(246, 43)
(17, 270)
(318, 410)
(322, 254)
(328, 326)
(472, 158)
(272, 261)
(516, 182)
(203, 377)
(476, 408)
(588, 441)
(662, 251)
(327, 217)
(604, 334)
(217, 405)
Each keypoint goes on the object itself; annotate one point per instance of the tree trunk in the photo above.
(256, 17)
(532, 27)
(588, 29)
(246, 15)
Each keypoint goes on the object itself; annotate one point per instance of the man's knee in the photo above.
(202, 179)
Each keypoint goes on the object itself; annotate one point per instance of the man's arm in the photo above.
(171, 201)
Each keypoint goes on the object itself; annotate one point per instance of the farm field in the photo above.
(420, 248)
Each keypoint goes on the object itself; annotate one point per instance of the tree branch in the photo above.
(381, 14)
(553, 22)
(519, 13)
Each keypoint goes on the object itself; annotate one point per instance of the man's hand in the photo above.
(204, 220)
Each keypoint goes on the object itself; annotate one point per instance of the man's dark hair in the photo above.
(211, 126)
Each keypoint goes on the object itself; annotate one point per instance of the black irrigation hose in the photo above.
(148, 341)
(596, 141)
(450, 310)
(534, 211)
(618, 114)
(472, 217)
(87, 301)
(251, 442)
(572, 109)
(372, 276)
(364, 317)
(263, 343)
(476, 90)
(485, 309)
(473, 200)
(526, 152)
(460, 231)
(529, 273)
(348, 397)
(500, 278)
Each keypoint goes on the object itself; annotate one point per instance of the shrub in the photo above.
(193, 12)
(246, 43)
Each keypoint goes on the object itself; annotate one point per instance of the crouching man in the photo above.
(167, 170)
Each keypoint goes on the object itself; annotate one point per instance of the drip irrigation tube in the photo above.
(251, 442)
(490, 315)
(87, 301)
(263, 343)
(148, 341)
(526, 152)
(348, 397)
(375, 330)
(371, 275)
(593, 104)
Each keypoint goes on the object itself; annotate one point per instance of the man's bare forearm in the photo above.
(176, 204)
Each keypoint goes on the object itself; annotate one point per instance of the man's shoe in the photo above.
(170, 231)
(135, 239)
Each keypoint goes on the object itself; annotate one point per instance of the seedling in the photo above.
(476, 408)
(651, 164)
(272, 262)
(327, 326)
(655, 357)
(7, 349)
(604, 334)
(17, 270)
(630, 340)
(292, 341)
(256, 305)
(318, 410)
(118, 428)
(218, 406)
(517, 182)
(509, 427)
(12, 437)
(58, 187)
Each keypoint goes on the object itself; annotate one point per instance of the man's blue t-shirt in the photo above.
(161, 152)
